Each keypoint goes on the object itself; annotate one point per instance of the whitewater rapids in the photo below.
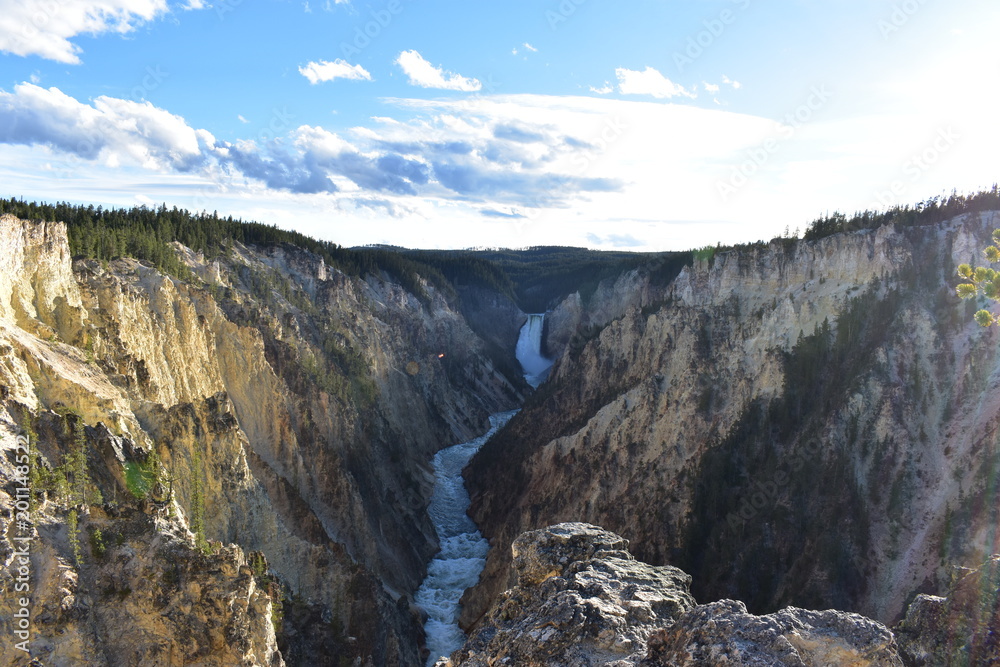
(463, 549)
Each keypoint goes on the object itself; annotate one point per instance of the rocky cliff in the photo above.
(581, 599)
(248, 442)
(797, 423)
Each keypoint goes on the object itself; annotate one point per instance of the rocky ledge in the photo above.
(581, 600)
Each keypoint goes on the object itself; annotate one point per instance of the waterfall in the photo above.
(463, 549)
(529, 351)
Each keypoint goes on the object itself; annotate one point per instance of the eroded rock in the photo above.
(724, 633)
(581, 600)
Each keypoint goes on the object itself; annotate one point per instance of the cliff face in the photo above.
(289, 409)
(576, 319)
(808, 424)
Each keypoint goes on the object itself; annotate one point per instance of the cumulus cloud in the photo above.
(648, 82)
(46, 28)
(112, 128)
(319, 158)
(422, 73)
(735, 84)
(320, 71)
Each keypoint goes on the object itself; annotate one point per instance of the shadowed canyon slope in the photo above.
(801, 423)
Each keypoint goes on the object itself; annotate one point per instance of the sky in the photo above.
(637, 125)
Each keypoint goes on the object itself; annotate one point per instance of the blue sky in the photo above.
(643, 125)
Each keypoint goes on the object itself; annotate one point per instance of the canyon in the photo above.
(793, 424)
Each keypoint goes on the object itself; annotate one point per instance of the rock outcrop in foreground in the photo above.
(581, 599)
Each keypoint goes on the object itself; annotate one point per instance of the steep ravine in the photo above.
(291, 411)
(804, 423)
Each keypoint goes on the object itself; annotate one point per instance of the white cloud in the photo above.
(323, 70)
(648, 82)
(711, 87)
(735, 84)
(530, 48)
(112, 129)
(606, 89)
(242, 119)
(422, 73)
(45, 28)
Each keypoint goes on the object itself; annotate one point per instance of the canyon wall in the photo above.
(277, 406)
(797, 423)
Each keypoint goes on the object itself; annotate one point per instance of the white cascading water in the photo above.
(463, 549)
(529, 351)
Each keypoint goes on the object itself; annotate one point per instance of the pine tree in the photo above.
(982, 280)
